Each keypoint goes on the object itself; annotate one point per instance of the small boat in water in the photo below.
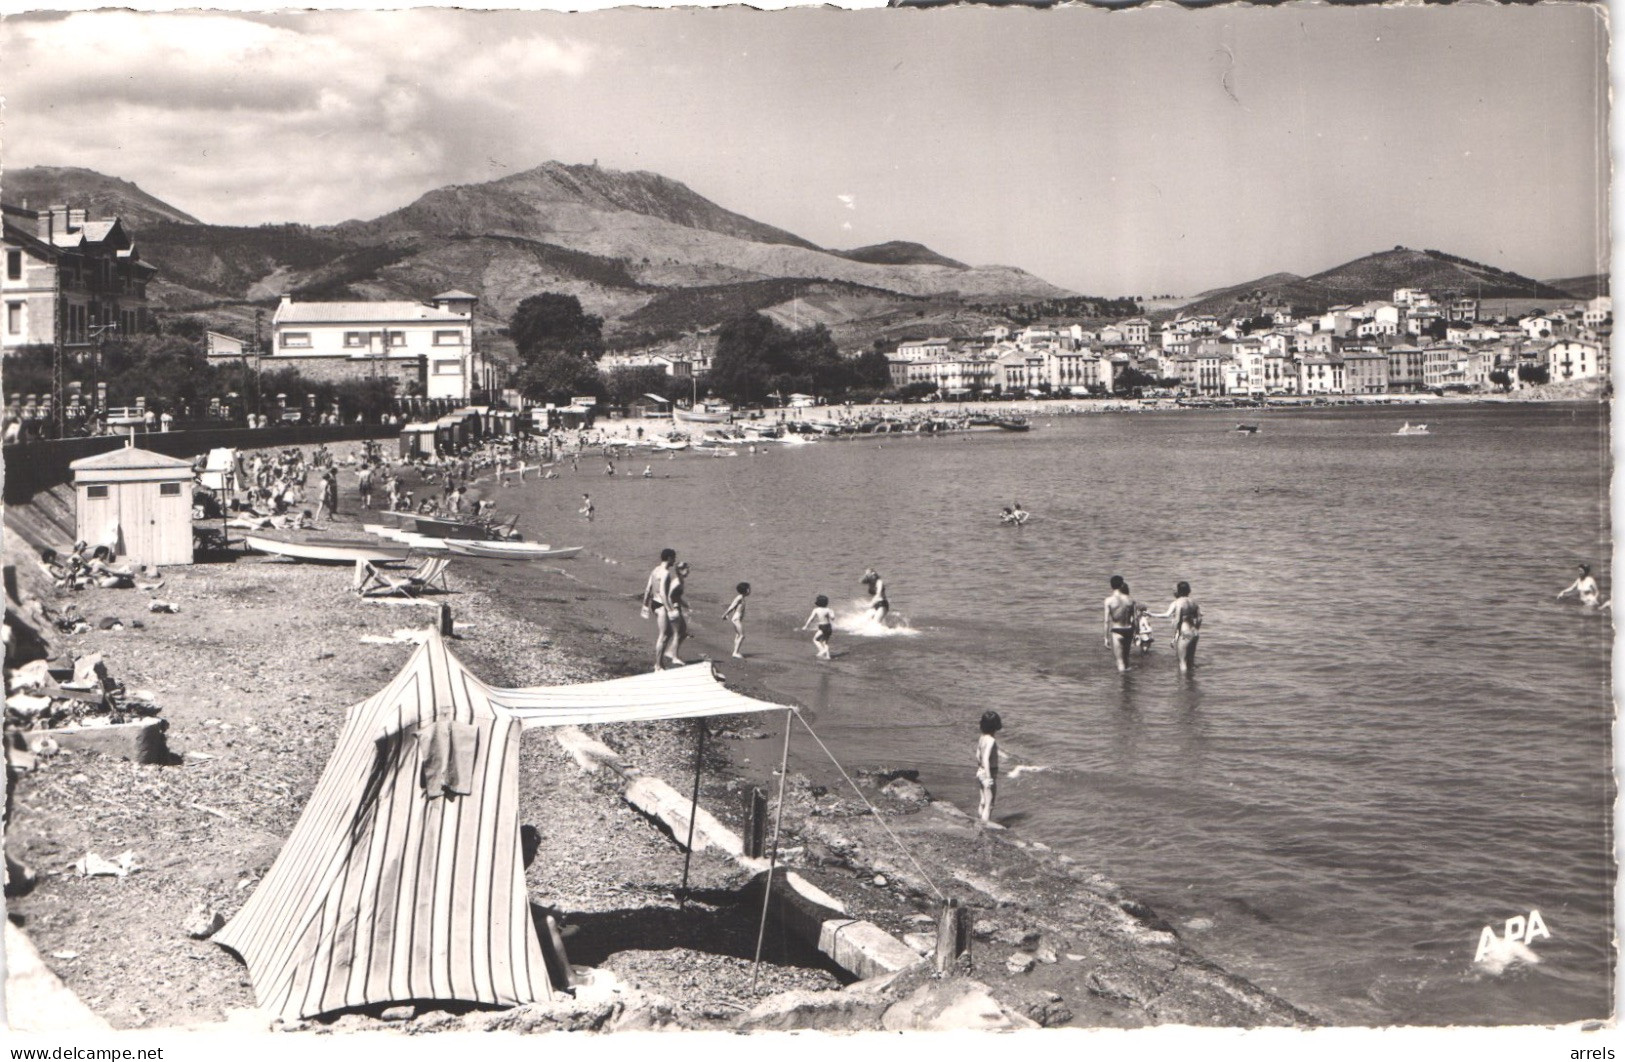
(708, 416)
(1247, 429)
(1012, 423)
(1413, 429)
(323, 552)
(510, 550)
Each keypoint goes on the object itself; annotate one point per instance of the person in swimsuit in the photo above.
(735, 614)
(1187, 617)
(1018, 514)
(586, 507)
(1144, 633)
(1585, 587)
(679, 613)
(824, 617)
(879, 606)
(1119, 619)
(987, 764)
(657, 601)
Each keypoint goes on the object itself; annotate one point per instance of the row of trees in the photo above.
(559, 346)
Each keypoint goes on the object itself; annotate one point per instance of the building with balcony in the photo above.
(430, 343)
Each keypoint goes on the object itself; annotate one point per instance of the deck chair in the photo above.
(369, 580)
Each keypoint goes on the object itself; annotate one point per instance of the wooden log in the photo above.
(953, 935)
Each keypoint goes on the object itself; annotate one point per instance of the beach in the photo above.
(253, 675)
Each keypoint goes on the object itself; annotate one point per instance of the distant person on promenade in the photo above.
(1187, 617)
(1119, 619)
(587, 507)
(824, 617)
(879, 605)
(657, 602)
(1585, 587)
(987, 764)
(735, 614)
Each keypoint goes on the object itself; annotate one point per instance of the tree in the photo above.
(756, 356)
(552, 323)
(625, 386)
(871, 369)
(556, 376)
(1501, 379)
(1533, 374)
(1132, 379)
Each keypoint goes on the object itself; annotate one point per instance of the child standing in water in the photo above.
(1144, 633)
(987, 764)
(735, 614)
(824, 617)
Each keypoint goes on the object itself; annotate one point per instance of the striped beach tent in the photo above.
(402, 879)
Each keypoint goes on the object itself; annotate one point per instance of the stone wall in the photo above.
(337, 370)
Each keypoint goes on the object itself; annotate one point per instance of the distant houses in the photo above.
(426, 344)
(1410, 343)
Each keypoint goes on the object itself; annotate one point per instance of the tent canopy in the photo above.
(402, 879)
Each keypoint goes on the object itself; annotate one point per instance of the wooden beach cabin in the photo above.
(417, 440)
(138, 502)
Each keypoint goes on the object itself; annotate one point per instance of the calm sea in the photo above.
(1395, 735)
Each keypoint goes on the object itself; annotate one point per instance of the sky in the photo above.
(1134, 152)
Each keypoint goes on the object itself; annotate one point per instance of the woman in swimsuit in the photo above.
(1187, 617)
(1585, 587)
(878, 605)
(679, 613)
(1119, 620)
(824, 617)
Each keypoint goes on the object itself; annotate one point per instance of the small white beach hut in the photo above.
(137, 502)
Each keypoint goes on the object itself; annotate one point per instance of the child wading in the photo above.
(824, 617)
(735, 614)
(987, 764)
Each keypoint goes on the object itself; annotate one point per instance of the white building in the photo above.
(431, 342)
(1573, 359)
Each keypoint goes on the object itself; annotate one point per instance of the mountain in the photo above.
(1373, 278)
(38, 187)
(650, 255)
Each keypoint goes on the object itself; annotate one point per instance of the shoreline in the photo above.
(1092, 956)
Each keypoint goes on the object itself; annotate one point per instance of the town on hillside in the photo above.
(86, 352)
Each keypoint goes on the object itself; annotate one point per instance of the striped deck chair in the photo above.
(370, 581)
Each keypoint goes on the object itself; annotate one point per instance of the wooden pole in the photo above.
(773, 857)
(953, 936)
(693, 810)
(756, 835)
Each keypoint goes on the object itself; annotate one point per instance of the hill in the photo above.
(38, 187)
(899, 252)
(1588, 287)
(1373, 278)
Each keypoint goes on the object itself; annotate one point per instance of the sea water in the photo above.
(1395, 735)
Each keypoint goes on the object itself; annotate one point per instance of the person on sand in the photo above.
(1585, 587)
(657, 601)
(1187, 617)
(679, 613)
(586, 507)
(824, 617)
(363, 482)
(735, 614)
(987, 764)
(879, 606)
(1119, 620)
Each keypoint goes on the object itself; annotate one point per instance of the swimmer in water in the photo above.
(648, 472)
(1119, 620)
(879, 606)
(1144, 633)
(1018, 514)
(1187, 617)
(824, 617)
(735, 614)
(1585, 587)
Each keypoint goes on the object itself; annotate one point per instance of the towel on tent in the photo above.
(446, 750)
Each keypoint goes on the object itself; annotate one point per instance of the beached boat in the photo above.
(1012, 424)
(441, 528)
(1413, 429)
(510, 550)
(692, 416)
(667, 444)
(323, 552)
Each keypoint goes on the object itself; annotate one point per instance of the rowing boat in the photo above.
(323, 552)
(510, 550)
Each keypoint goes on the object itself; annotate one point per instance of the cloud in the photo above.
(212, 112)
